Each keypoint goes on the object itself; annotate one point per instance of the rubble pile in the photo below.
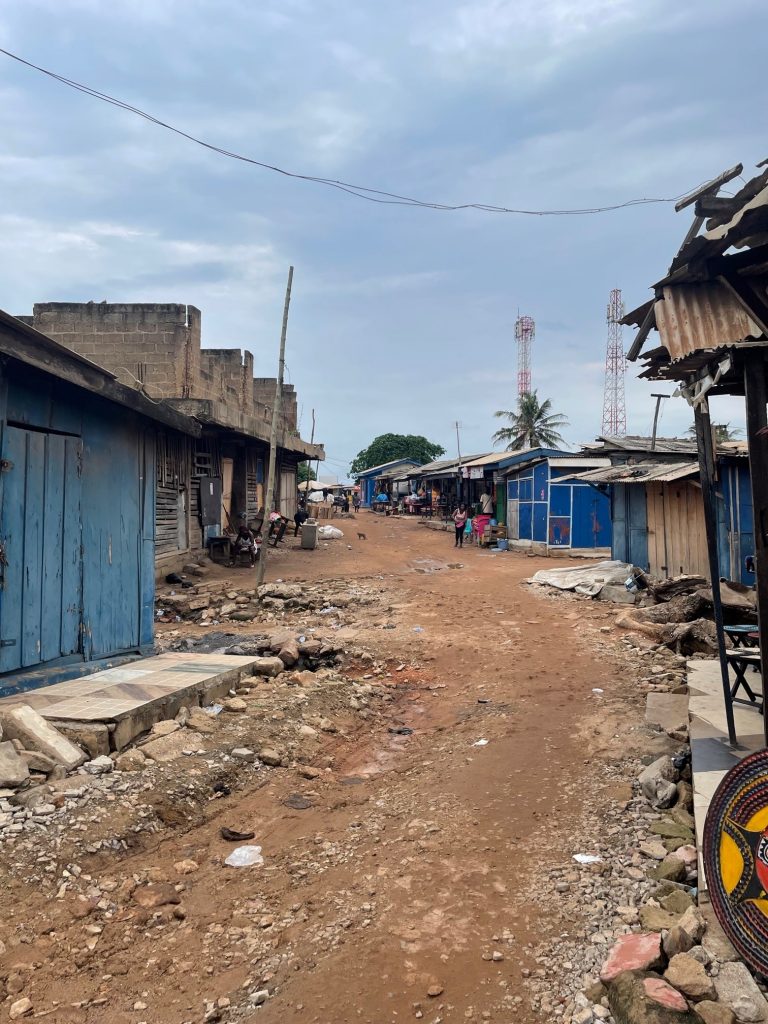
(210, 603)
(279, 717)
(644, 952)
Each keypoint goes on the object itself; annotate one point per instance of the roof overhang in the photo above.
(22, 344)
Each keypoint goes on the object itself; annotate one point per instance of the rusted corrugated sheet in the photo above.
(643, 473)
(694, 317)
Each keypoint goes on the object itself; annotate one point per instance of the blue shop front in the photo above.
(546, 510)
(77, 510)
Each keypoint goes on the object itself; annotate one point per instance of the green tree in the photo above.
(723, 432)
(388, 447)
(532, 425)
(305, 472)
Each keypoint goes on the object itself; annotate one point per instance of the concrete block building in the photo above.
(204, 484)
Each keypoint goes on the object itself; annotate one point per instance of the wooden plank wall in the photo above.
(677, 540)
(173, 466)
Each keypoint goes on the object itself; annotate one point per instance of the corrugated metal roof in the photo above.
(386, 465)
(396, 473)
(636, 443)
(441, 465)
(583, 462)
(645, 472)
(692, 317)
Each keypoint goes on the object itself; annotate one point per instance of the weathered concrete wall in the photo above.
(156, 343)
(159, 344)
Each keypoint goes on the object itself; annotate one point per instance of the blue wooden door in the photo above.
(591, 521)
(40, 532)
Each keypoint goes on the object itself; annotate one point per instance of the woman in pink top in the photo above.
(460, 521)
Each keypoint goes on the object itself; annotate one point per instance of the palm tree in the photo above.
(533, 425)
(723, 432)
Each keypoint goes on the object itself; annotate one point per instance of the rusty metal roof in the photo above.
(640, 473)
(692, 317)
(636, 443)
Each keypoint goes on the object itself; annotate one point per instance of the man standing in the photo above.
(486, 503)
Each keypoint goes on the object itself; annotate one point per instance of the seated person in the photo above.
(245, 541)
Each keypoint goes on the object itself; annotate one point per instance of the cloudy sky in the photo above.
(402, 319)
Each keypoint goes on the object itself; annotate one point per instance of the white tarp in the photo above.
(588, 579)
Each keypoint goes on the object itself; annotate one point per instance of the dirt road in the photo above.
(401, 886)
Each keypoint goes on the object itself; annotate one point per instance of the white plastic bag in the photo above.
(245, 857)
(329, 533)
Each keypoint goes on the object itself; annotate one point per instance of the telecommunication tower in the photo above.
(525, 331)
(614, 404)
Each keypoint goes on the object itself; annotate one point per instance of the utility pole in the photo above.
(656, 418)
(269, 501)
(458, 449)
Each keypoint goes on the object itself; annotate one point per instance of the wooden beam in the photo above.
(756, 396)
(710, 186)
(645, 329)
(751, 302)
(707, 476)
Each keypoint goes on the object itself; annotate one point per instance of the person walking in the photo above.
(460, 521)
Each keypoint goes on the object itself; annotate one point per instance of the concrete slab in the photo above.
(131, 699)
(666, 710)
(711, 753)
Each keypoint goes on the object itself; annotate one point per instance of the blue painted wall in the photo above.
(734, 521)
(562, 514)
(77, 521)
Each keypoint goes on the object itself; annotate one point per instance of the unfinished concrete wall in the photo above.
(264, 394)
(159, 345)
(227, 374)
(156, 343)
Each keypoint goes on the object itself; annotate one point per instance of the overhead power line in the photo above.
(373, 195)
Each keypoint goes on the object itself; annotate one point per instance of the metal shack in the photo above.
(549, 510)
(77, 500)
(384, 479)
(657, 512)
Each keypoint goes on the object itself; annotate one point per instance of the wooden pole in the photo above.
(756, 397)
(656, 419)
(707, 475)
(270, 498)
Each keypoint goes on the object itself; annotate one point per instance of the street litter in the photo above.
(245, 857)
(480, 743)
(596, 689)
(329, 610)
(588, 579)
(587, 858)
(213, 709)
(418, 629)
(329, 533)
(233, 836)
(402, 730)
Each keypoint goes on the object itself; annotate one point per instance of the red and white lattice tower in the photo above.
(525, 331)
(614, 404)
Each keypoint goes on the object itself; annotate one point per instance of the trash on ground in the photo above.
(587, 858)
(213, 709)
(233, 836)
(245, 857)
(418, 629)
(588, 579)
(402, 730)
(329, 533)
(480, 743)
(596, 689)
(298, 802)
